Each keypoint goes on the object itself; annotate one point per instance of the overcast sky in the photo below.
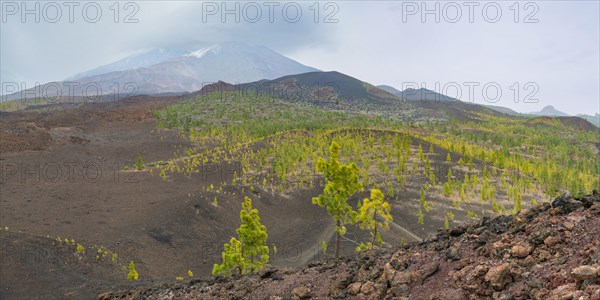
(555, 59)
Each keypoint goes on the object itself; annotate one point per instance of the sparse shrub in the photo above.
(472, 214)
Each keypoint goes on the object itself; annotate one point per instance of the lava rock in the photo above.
(452, 254)
(585, 273)
(520, 250)
(354, 288)
(499, 276)
(301, 292)
(561, 200)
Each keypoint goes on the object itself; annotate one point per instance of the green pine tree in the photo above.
(373, 214)
(251, 252)
(139, 163)
(342, 182)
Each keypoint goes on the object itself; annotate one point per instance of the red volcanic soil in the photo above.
(544, 253)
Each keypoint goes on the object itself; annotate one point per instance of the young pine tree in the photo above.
(133, 274)
(139, 163)
(342, 182)
(250, 253)
(373, 214)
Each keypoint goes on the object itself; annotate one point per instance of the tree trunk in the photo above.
(337, 241)
(375, 236)
(240, 263)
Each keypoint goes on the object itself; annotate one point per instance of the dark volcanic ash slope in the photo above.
(548, 252)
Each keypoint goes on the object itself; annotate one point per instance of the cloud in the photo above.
(43, 55)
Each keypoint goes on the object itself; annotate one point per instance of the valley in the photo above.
(439, 165)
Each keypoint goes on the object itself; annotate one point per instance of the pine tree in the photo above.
(342, 182)
(374, 213)
(232, 259)
(139, 163)
(421, 219)
(518, 200)
(447, 189)
(250, 253)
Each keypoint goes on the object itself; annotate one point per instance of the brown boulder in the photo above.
(585, 273)
(499, 276)
(301, 292)
(520, 250)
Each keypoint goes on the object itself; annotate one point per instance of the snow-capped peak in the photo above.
(199, 53)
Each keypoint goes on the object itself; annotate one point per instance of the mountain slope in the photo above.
(423, 94)
(573, 122)
(411, 94)
(321, 88)
(502, 109)
(390, 89)
(334, 90)
(169, 72)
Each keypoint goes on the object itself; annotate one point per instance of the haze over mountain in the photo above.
(595, 119)
(141, 59)
(411, 94)
(162, 71)
(550, 111)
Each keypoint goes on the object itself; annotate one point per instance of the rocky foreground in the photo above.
(549, 252)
